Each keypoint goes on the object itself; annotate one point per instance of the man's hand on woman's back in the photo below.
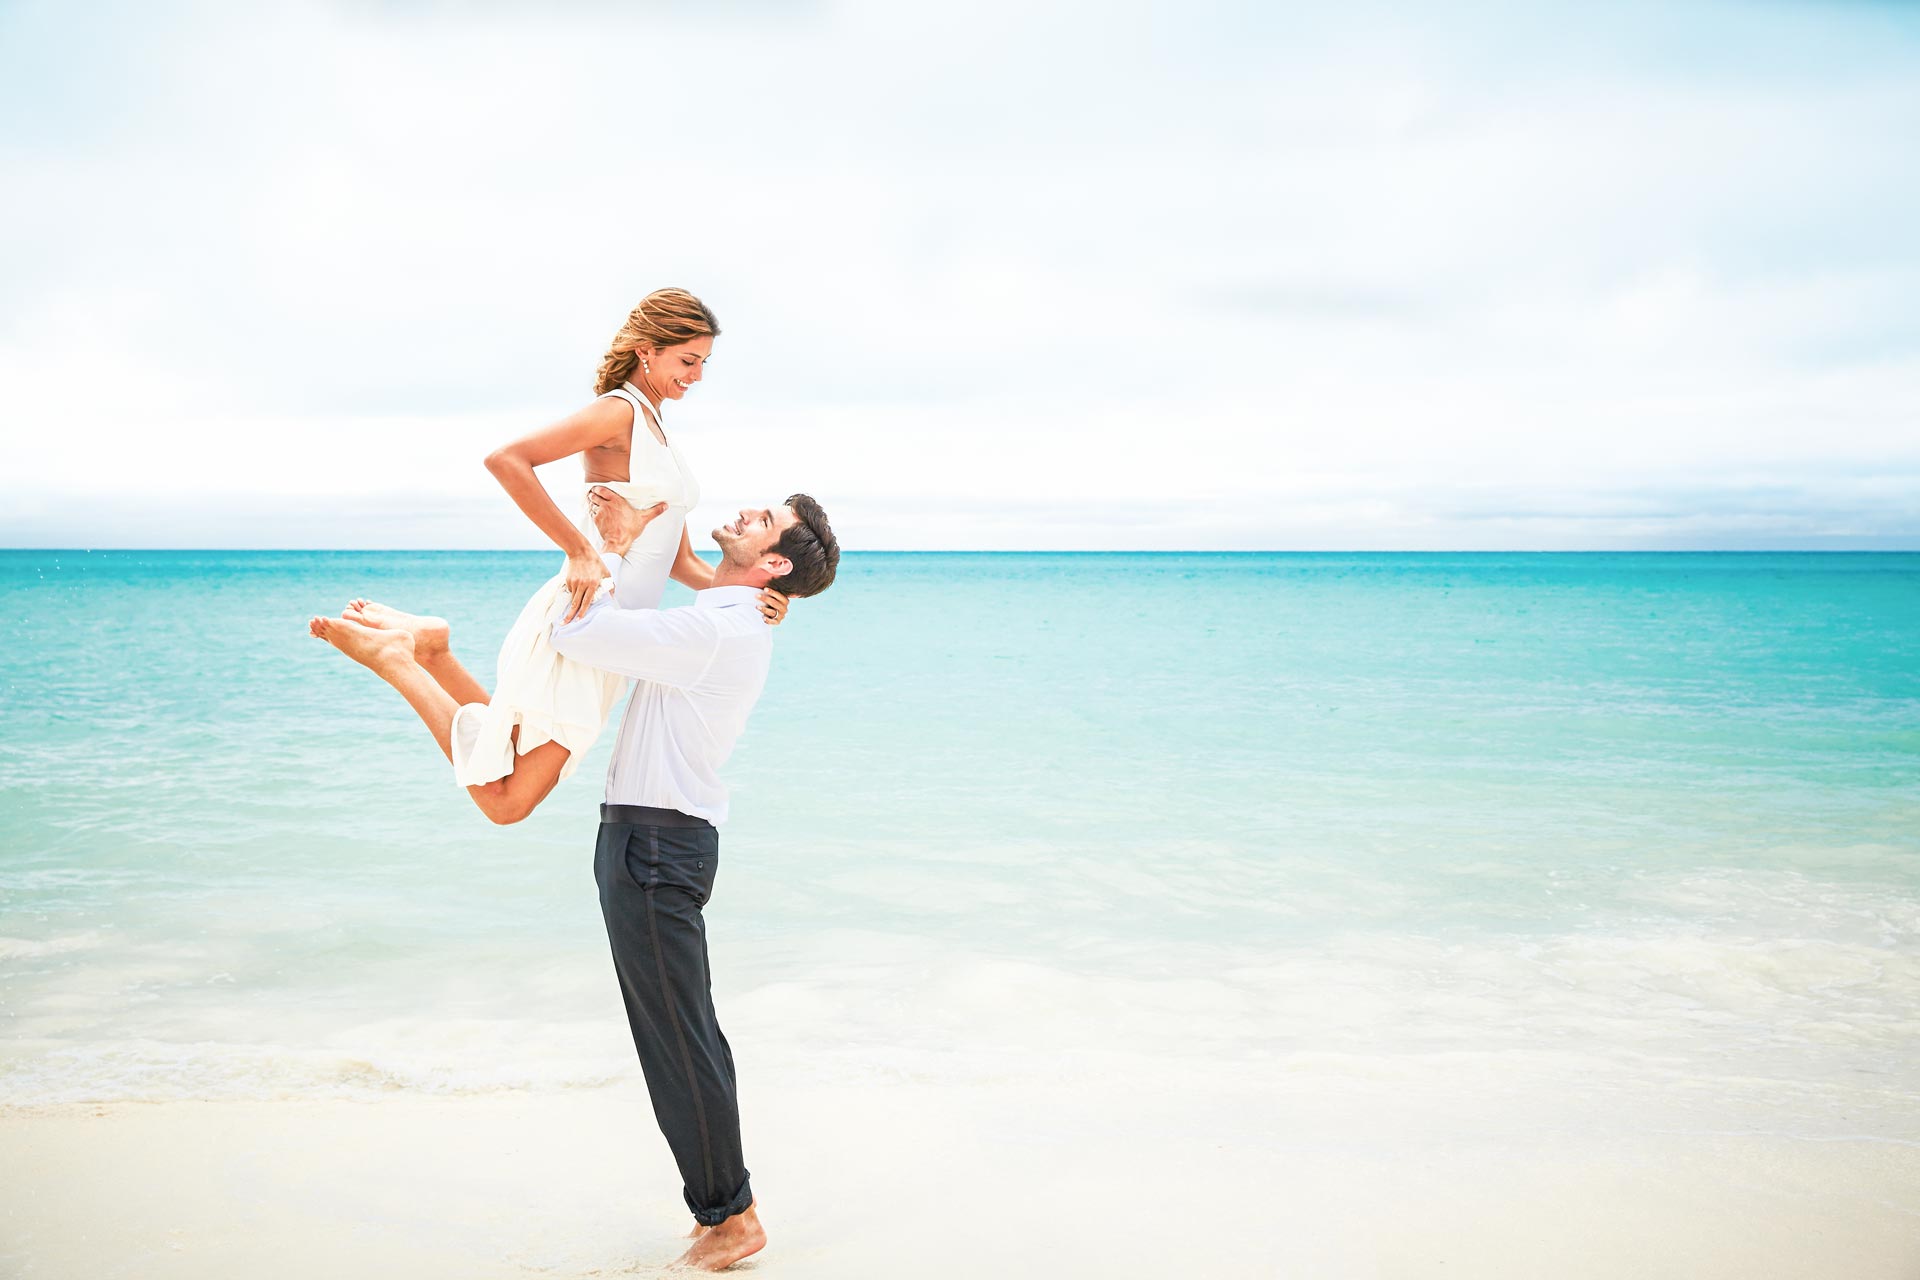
(618, 521)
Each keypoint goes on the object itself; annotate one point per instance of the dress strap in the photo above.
(640, 405)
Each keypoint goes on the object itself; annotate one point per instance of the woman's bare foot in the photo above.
(378, 651)
(430, 635)
(721, 1246)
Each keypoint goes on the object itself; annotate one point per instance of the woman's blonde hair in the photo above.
(664, 318)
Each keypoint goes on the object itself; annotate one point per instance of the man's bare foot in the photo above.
(699, 1229)
(378, 651)
(719, 1247)
(430, 635)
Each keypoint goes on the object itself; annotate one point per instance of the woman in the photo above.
(510, 748)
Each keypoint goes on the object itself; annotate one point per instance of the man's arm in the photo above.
(670, 646)
(620, 526)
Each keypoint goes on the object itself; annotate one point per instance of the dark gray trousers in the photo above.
(653, 882)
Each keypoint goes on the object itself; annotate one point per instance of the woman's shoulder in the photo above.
(616, 409)
(617, 422)
(614, 400)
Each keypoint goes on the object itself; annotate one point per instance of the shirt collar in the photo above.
(725, 597)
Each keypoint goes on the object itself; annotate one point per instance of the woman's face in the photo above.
(677, 368)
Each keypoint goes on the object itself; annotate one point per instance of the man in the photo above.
(700, 669)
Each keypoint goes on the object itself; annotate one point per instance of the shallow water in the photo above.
(1604, 827)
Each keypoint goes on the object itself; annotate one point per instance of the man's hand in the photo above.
(617, 520)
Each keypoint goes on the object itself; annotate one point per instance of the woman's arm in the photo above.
(512, 465)
(689, 570)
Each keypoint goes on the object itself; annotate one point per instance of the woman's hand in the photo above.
(584, 571)
(774, 605)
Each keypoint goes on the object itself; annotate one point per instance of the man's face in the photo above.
(753, 533)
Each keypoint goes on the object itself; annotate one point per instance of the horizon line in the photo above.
(1042, 551)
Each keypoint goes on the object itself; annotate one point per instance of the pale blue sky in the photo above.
(993, 275)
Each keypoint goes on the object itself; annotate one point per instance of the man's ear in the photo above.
(777, 566)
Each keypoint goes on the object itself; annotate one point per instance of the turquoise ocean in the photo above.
(1628, 835)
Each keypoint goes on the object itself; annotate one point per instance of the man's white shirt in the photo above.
(700, 669)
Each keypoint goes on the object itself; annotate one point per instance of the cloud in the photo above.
(1043, 259)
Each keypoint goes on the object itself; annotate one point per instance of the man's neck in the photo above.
(727, 575)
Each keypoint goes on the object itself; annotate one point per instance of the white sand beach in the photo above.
(899, 1179)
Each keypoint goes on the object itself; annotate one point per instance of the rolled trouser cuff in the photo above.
(737, 1203)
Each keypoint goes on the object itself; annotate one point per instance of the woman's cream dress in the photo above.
(549, 698)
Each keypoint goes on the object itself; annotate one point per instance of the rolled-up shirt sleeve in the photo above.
(671, 646)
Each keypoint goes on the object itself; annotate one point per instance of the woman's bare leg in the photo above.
(389, 654)
(509, 799)
(431, 640)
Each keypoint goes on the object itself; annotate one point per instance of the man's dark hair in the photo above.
(811, 547)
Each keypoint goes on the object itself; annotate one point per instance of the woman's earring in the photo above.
(644, 366)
